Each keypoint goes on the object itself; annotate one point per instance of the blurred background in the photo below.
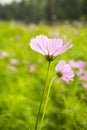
(43, 10)
(22, 70)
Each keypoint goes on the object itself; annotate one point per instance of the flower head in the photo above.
(14, 61)
(49, 47)
(79, 64)
(64, 71)
(4, 54)
(84, 85)
(82, 74)
(32, 68)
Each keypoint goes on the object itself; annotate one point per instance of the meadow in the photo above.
(22, 74)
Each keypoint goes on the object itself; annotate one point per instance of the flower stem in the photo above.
(48, 92)
(36, 125)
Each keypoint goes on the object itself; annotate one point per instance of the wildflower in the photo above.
(17, 37)
(84, 85)
(76, 31)
(79, 64)
(82, 74)
(64, 71)
(4, 54)
(32, 68)
(49, 47)
(12, 68)
(14, 61)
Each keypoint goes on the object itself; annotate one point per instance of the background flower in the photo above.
(64, 71)
(77, 64)
(84, 85)
(82, 74)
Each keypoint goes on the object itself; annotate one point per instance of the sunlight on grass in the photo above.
(22, 73)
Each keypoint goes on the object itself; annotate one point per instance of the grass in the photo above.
(22, 73)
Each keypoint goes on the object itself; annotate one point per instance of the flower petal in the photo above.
(39, 44)
(65, 70)
(60, 65)
(49, 47)
(64, 48)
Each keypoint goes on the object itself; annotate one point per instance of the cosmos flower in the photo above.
(82, 74)
(76, 31)
(79, 64)
(12, 68)
(4, 54)
(17, 37)
(84, 85)
(64, 71)
(32, 68)
(51, 48)
(14, 61)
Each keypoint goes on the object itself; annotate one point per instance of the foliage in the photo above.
(22, 73)
(47, 10)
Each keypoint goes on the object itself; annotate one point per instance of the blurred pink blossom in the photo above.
(79, 64)
(17, 37)
(12, 68)
(49, 47)
(4, 54)
(76, 31)
(64, 71)
(14, 61)
(82, 74)
(80, 24)
(84, 85)
(32, 68)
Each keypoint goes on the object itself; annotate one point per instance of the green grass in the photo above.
(20, 88)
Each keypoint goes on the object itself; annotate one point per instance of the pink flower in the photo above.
(82, 74)
(17, 37)
(76, 31)
(14, 61)
(64, 71)
(4, 54)
(32, 68)
(49, 47)
(84, 85)
(79, 64)
(12, 68)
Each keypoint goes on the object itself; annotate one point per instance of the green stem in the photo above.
(36, 125)
(48, 92)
